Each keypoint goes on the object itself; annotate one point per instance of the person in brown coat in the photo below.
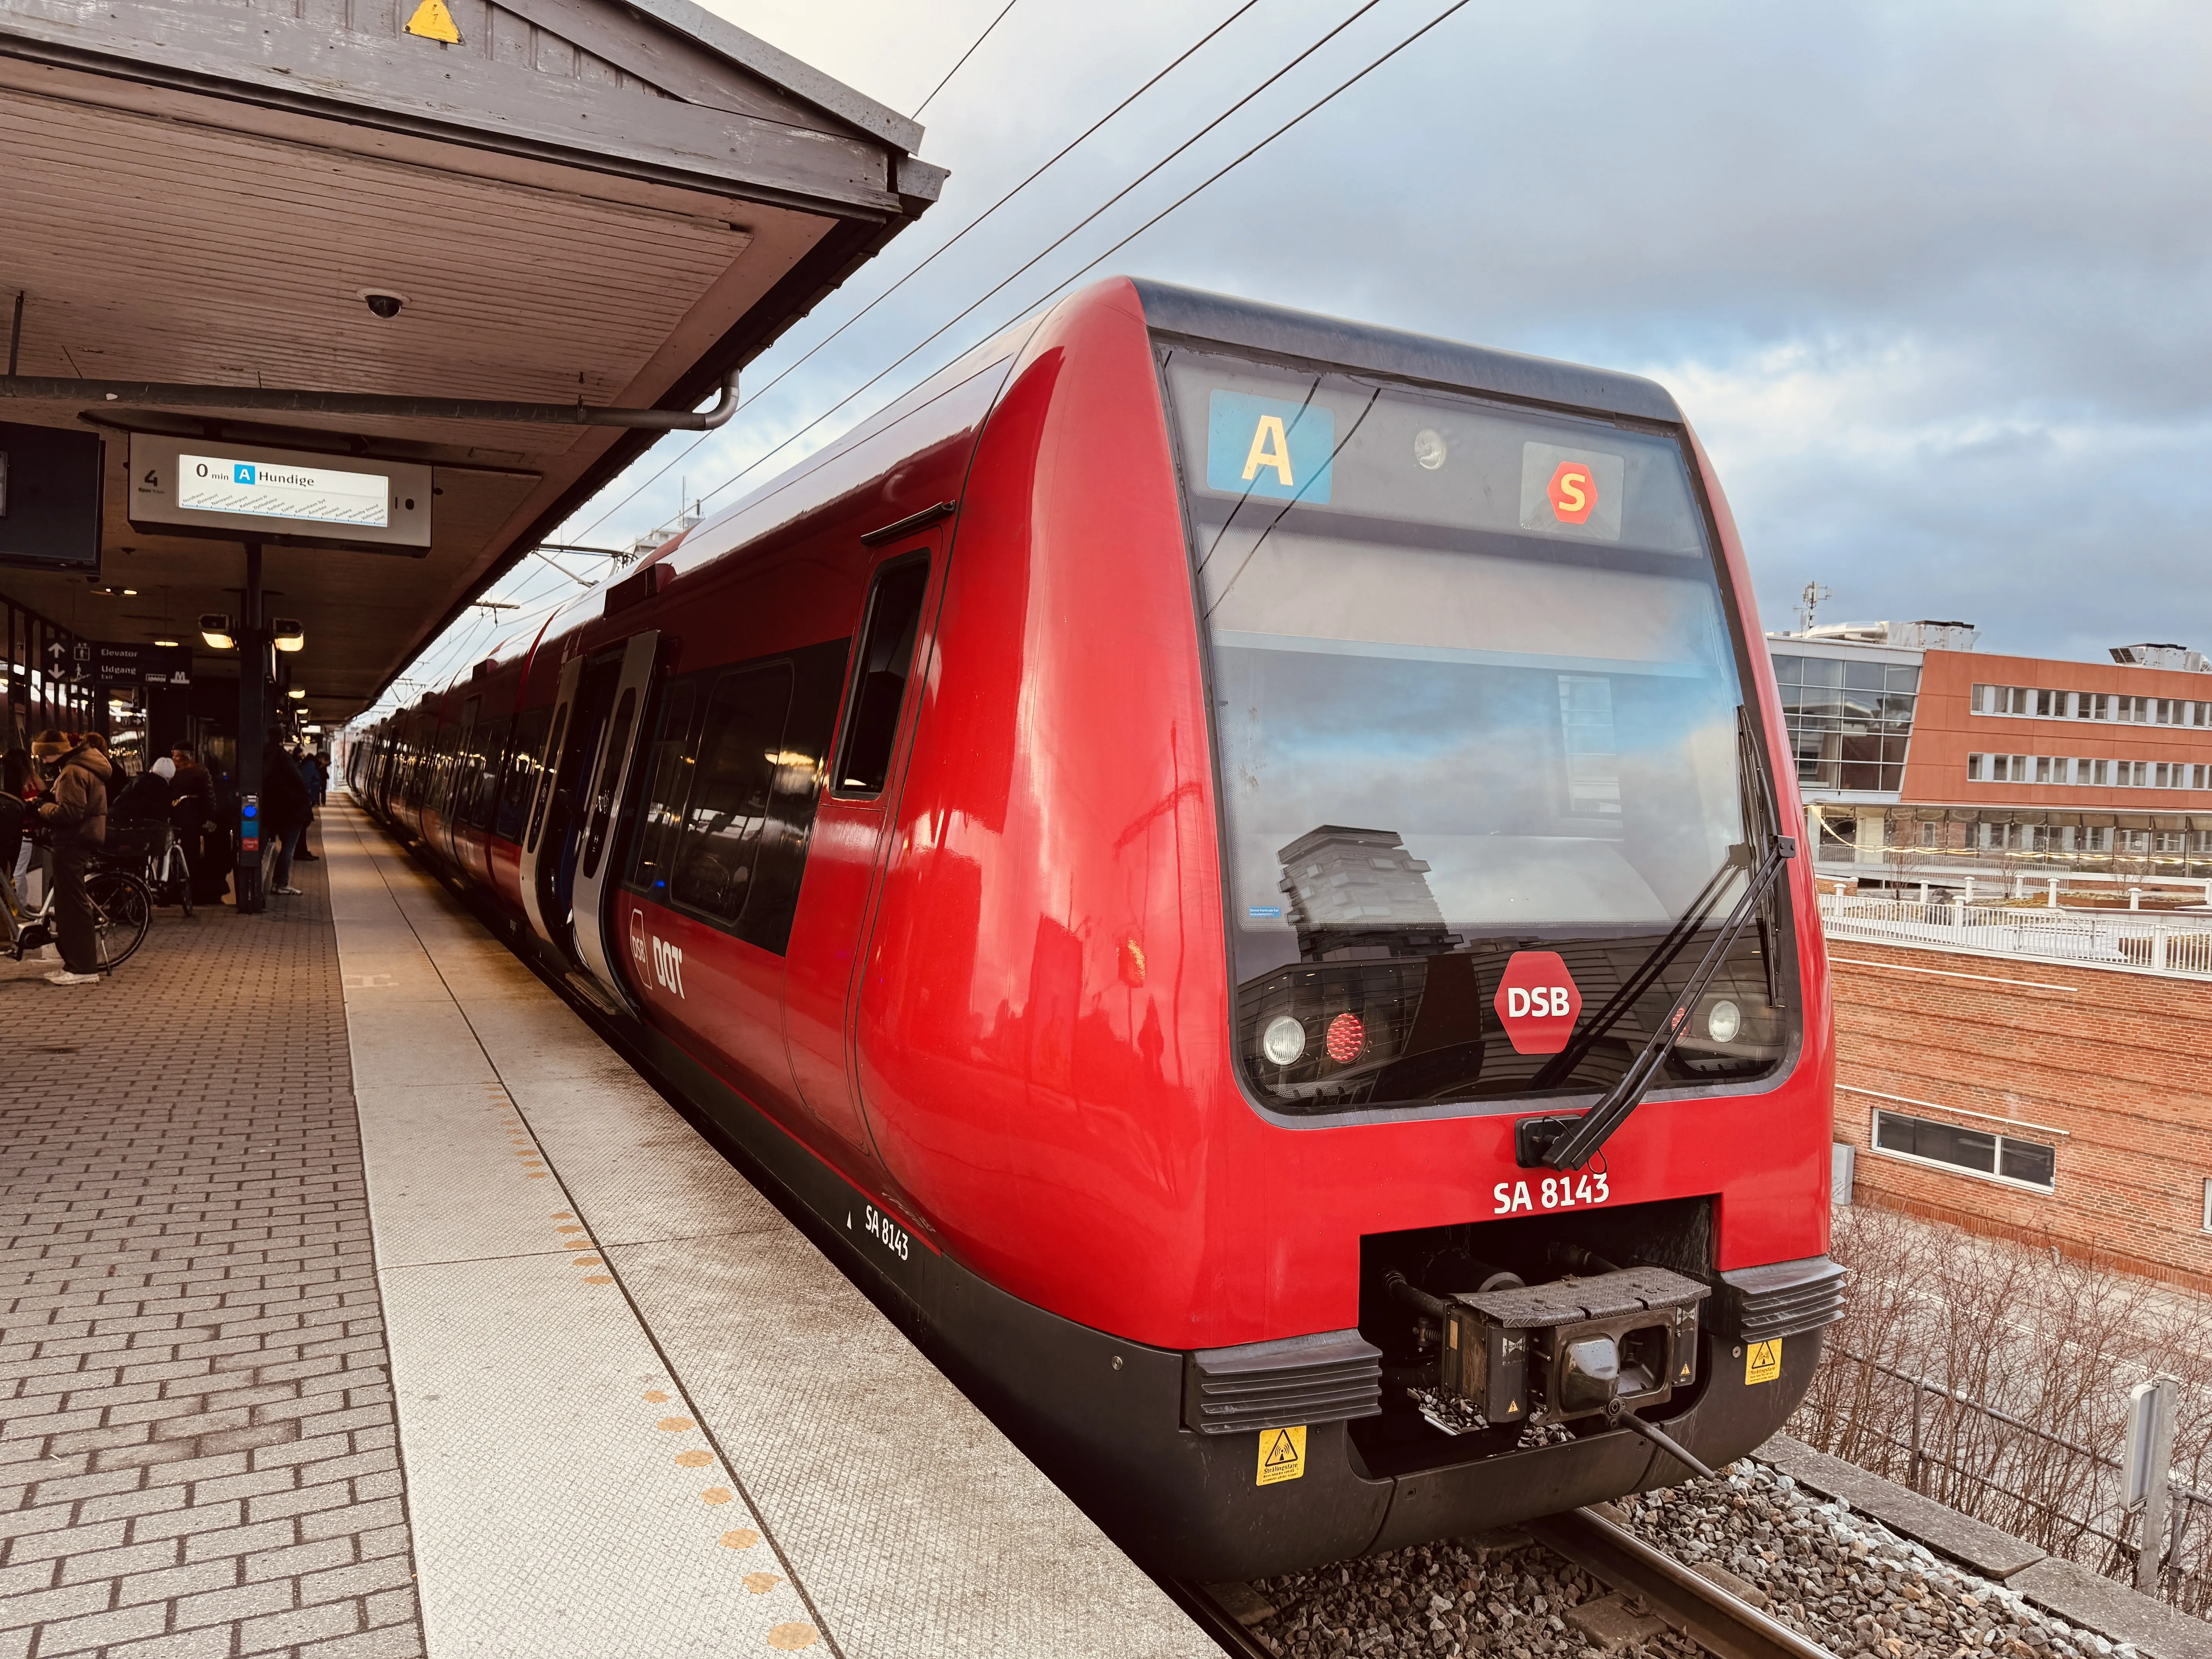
(76, 812)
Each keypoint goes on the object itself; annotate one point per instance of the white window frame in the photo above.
(1874, 1146)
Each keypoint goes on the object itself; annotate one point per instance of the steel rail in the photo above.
(1721, 1623)
(1209, 1615)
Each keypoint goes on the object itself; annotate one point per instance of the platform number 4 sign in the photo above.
(1762, 1362)
(1282, 1454)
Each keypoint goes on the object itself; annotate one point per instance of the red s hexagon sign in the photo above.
(1537, 1002)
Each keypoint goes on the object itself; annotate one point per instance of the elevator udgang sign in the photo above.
(1537, 1002)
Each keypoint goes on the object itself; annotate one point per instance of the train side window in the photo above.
(818, 675)
(879, 677)
(667, 782)
(491, 748)
(512, 811)
(739, 740)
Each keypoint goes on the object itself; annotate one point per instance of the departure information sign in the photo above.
(321, 495)
(189, 486)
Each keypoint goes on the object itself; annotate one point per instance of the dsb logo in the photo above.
(1544, 1002)
(1537, 1002)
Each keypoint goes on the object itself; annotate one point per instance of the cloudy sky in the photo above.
(1929, 280)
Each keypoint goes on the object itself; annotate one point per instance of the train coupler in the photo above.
(1617, 1342)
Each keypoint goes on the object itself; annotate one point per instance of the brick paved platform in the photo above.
(198, 1446)
(622, 1408)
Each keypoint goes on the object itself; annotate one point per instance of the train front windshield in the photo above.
(1475, 696)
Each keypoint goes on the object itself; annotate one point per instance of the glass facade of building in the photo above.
(1848, 721)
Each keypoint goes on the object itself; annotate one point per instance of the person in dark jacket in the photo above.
(147, 798)
(311, 781)
(207, 848)
(285, 809)
(76, 812)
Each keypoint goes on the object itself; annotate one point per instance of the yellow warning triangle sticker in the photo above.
(1282, 1454)
(434, 23)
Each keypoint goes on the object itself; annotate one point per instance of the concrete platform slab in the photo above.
(640, 1413)
(1992, 1554)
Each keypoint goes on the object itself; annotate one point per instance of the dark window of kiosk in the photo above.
(880, 676)
(742, 736)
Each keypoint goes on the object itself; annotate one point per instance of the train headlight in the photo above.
(1283, 1039)
(1723, 1020)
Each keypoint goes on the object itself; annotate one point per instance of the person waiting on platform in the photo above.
(207, 846)
(147, 798)
(312, 780)
(285, 807)
(75, 813)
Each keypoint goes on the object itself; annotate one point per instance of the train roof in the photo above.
(1330, 341)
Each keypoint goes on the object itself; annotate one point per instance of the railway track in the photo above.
(1721, 1623)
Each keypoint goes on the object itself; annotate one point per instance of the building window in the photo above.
(2000, 1158)
(2134, 840)
(2171, 841)
(2095, 841)
(2207, 1206)
(1931, 834)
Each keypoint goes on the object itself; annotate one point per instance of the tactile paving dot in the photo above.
(694, 1459)
(740, 1538)
(760, 1584)
(675, 1424)
(716, 1495)
(789, 1638)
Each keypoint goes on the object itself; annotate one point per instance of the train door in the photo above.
(598, 833)
(534, 844)
(818, 970)
(576, 764)
(459, 781)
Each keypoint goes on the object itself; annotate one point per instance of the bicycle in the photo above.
(122, 911)
(150, 849)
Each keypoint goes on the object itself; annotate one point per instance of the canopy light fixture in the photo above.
(165, 645)
(288, 634)
(298, 694)
(215, 628)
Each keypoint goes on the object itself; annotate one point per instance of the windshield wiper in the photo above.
(1568, 1143)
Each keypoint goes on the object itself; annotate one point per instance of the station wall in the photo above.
(2106, 1069)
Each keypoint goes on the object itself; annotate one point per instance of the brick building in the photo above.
(1930, 761)
(2048, 1100)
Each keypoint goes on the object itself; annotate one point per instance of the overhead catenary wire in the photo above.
(1211, 178)
(964, 56)
(1205, 184)
(951, 242)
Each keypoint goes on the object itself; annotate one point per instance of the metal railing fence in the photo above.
(1990, 1463)
(2178, 946)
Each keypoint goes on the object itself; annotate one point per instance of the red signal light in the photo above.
(1348, 1035)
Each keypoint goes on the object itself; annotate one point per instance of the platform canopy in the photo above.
(573, 202)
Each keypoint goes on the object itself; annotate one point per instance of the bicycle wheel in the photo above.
(122, 910)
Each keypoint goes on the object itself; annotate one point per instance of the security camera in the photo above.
(385, 304)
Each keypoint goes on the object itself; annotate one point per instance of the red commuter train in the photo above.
(1188, 845)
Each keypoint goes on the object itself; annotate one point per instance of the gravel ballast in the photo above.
(1836, 1576)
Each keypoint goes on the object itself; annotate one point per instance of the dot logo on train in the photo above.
(1537, 1002)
